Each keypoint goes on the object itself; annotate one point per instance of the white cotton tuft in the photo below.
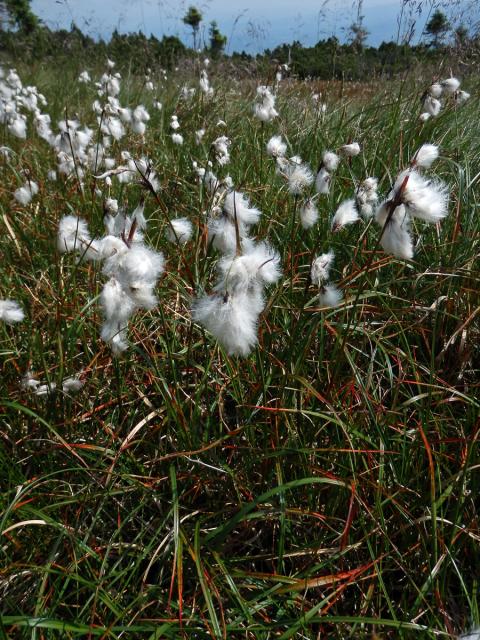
(450, 85)
(424, 199)
(117, 306)
(330, 296)
(125, 115)
(276, 147)
(435, 90)
(299, 177)
(139, 216)
(115, 128)
(461, 96)
(139, 127)
(366, 197)
(308, 214)
(177, 138)
(259, 265)
(232, 320)
(199, 135)
(320, 271)
(139, 265)
(350, 150)
(18, 127)
(264, 109)
(211, 181)
(111, 206)
(322, 181)
(346, 214)
(73, 235)
(237, 205)
(396, 239)
(330, 160)
(432, 106)
(73, 384)
(222, 234)
(11, 312)
(426, 156)
(221, 148)
(24, 194)
(204, 84)
(180, 231)
(140, 114)
(423, 117)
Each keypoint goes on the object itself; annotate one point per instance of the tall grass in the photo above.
(326, 486)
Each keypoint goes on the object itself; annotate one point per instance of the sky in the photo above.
(250, 25)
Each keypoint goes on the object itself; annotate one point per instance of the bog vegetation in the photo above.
(239, 354)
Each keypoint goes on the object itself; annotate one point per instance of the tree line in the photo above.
(23, 35)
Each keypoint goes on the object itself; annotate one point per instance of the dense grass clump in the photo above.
(325, 486)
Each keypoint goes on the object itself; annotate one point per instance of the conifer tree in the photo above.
(192, 18)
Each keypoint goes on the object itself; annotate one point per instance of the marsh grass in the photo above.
(326, 486)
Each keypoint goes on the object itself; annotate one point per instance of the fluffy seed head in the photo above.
(236, 204)
(432, 106)
(73, 234)
(330, 160)
(10, 311)
(180, 230)
(322, 181)
(330, 296)
(232, 320)
(320, 271)
(450, 85)
(426, 155)
(308, 214)
(299, 178)
(346, 214)
(396, 239)
(350, 150)
(276, 147)
(424, 199)
(435, 90)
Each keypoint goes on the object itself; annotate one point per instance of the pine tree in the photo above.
(192, 18)
(437, 27)
(19, 14)
(217, 40)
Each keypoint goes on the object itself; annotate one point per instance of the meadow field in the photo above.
(224, 412)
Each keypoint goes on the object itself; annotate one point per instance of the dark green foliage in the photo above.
(19, 13)
(217, 40)
(437, 27)
(44, 43)
(192, 18)
(328, 59)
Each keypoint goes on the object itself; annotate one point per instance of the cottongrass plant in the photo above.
(277, 463)
(131, 267)
(412, 196)
(232, 311)
(328, 294)
(448, 88)
(11, 312)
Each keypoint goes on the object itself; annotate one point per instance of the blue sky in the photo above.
(250, 25)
